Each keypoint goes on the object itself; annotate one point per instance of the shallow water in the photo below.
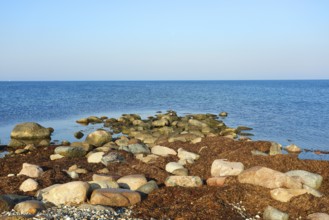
(282, 111)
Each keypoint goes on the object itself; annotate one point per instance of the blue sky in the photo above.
(164, 40)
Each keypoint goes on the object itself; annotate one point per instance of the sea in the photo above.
(291, 111)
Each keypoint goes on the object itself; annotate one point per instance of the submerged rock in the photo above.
(271, 213)
(30, 133)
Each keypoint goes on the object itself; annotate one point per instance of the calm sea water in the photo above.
(283, 111)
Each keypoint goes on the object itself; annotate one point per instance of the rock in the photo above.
(123, 141)
(87, 147)
(78, 135)
(147, 159)
(268, 178)
(6, 204)
(63, 193)
(65, 143)
(271, 213)
(30, 147)
(160, 123)
(176, 168)
(223, 114)
(103, 185)
(184, 181)
(98, 138)
(29, 207)
(132, 182)
(56, 157)
(115, 197)
(275, 148)
(94, 120)
(95, 157)
(292, 148)
(112, 157)
(138, 149)
(148, 187)
(83, 121)
(312, 191)
(31, 170)
(99, 177)
(197, 123)
(21, 151)
(318, 216)
(68, 151)
(225, 168)
(186, 155)
(196, 140)
(258, 153)
(30, 131)
(162, 151)
(216, 181)
(72, 174)
(310, 179)
(285, 195)
(39, 194)
(29, 185)
(103, 171)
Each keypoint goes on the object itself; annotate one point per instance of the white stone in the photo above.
(31, 170)
(29, 185)
(311, 179)
(172, 166)
(56, 157)
(162, 151)
(225, 168)
(186, 155)
(147, 159)
(312, 191)
(67, 194)
(271, 213)
(285, 195)
(95, 157)
(132, 182)
(184, 181)
(318, 216)
(293, 148)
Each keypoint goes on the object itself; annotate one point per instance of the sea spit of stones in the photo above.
(143, 138)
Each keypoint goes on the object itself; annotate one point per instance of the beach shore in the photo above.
(230, 199)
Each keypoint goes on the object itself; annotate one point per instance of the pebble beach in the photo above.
(165, 166)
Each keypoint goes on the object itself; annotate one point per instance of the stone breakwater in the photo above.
(194, 162)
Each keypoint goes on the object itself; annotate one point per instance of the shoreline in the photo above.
(229, 199)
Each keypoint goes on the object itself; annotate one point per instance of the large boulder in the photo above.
(115, 197)
(30, 133)
(98, 138)
(67, 194)
(268, 178)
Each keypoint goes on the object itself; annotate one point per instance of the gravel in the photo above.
(72, 213)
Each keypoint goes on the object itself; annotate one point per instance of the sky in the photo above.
(164, 40)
